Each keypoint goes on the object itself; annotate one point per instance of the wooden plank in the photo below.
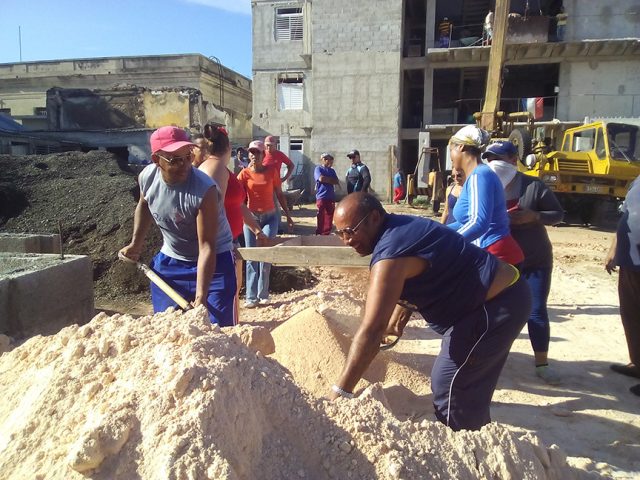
(305, 256)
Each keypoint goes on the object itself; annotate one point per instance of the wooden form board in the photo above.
(307, 251)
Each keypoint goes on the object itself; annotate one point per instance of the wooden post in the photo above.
(392, 171)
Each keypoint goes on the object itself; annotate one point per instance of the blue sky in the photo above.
(59, 29)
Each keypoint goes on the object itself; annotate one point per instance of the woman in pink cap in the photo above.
(196, 257)
(261, 183)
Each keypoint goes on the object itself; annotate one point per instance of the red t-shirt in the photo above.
(260, 187)
(276, 159)
(234, 197)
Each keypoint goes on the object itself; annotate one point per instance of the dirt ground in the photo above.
(591, 415)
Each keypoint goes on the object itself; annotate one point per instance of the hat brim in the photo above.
(486, 155)
(172, 147)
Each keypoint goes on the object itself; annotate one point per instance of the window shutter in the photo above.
(289, 24)
(295, 25)
(282, 28)
(290, 96)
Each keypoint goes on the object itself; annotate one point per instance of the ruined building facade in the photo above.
(125, 93)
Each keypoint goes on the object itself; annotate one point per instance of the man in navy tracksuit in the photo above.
(476, 302)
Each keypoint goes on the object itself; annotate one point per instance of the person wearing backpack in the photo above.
(358, 177)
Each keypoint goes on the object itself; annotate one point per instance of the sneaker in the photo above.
(264, 301)
(249, 304)
(548, 374)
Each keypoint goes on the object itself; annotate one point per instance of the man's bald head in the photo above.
(361, 214)
(360, 204)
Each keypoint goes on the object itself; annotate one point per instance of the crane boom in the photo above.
(493, 88)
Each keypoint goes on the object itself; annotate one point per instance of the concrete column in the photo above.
(564, 100)
(427, 104)
(431, 23)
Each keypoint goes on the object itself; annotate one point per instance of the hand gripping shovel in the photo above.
(161, 284)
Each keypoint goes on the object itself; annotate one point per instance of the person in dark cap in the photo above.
(358, 177)
(530, 205)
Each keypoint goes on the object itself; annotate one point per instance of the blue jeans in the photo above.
(560, 30)
(539, 280)
(257, 287)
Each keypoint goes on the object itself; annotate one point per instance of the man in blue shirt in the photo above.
(325, 178)
(625, 253)
(478, 304)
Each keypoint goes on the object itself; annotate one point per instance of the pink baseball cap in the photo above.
(257, 144)
(169, 139)
(270, 139)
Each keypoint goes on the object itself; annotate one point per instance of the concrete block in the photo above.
(29, 243)
(40, 294)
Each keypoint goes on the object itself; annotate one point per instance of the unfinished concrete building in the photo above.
(330, 75)
(225, 94)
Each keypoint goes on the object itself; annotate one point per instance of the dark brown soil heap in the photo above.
(92, 195)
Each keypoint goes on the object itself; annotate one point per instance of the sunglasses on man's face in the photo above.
(177, 160)
(349, 232)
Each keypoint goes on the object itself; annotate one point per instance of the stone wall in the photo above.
(599, 89)
(356, 75)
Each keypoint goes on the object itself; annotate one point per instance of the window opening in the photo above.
(289, 24)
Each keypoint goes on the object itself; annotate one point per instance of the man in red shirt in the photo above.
(275, 157)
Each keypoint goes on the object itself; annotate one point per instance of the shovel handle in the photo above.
(159, 282)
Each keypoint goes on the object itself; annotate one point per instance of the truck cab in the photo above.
(598, 159)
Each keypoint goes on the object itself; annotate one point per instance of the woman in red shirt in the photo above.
(216, 156)
(261, 183)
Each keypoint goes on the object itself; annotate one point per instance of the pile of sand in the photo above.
(170, 396)
(325, 339)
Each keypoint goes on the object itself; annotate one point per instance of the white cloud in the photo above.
(235, 6)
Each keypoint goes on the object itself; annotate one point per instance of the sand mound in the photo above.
(170, 396)
(314, 346)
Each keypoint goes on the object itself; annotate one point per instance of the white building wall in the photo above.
(601, 19)
(599, 89)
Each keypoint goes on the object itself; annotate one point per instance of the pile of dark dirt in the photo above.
(90, 197)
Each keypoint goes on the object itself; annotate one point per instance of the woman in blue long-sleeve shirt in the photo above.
(481, 211)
